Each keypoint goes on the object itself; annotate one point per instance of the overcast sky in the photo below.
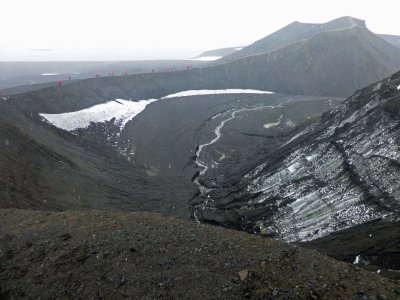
(149, 29)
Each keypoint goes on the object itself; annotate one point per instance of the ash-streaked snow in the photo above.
(122, 110)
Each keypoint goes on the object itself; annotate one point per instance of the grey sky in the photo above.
(149, 29)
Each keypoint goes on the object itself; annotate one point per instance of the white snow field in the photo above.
(123, 110)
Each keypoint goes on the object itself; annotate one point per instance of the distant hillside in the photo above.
(293, 33)
(330, 63)
(15, 74)
(331, 59)
(334, 63)
(217, 53)
(393, 39)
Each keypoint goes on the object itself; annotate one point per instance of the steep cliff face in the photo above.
(340, 171)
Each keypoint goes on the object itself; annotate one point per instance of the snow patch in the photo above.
(357, 260)
(269, 125)
(238, 48)
(49, 74)
(398, 87)
(207, 58)
(215, 92)
(122, 110)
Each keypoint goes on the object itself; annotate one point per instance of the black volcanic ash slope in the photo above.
(338, 172)
(374, 245)
(151, 163)
(166, 136)
(46, 168)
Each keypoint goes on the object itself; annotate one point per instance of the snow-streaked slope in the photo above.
(123, 110)
(340, 171)
(346, 176)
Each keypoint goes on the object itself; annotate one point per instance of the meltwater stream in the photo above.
(217, 131)
(218, 134)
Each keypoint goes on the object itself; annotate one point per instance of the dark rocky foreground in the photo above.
(141, 255)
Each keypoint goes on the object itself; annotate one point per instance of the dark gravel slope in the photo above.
(139, 255)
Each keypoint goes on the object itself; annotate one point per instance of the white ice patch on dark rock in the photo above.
(121, 110)
(273, 124)
(357, 260)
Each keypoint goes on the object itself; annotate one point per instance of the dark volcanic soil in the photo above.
(378, 246)
(141, 255)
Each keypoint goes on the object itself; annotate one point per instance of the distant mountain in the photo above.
(333, 59)
(293, 33)
(392, 39)
(217, 53)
